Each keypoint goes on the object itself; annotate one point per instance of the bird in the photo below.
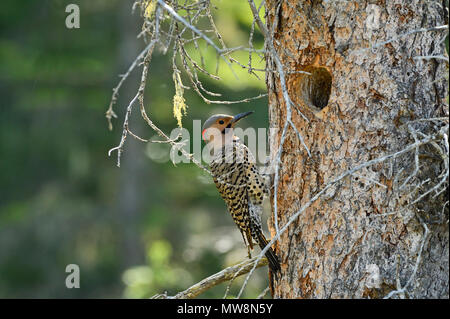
(238, 180)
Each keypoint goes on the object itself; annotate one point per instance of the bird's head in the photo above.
(221, 124)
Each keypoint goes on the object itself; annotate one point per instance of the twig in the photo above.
(220, 277)
(263, 293)
(437, 28)
(110, 112)
(119, 148)
(430, 57)
(172, 12)
(370, 180)
(140, 92)
(416, 266)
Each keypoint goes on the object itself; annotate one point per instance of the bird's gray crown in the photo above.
(213, 120)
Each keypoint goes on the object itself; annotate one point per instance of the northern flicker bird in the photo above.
(238, 180)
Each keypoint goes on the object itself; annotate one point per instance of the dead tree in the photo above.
(378, 85)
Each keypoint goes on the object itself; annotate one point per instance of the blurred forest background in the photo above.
(135, 231)
(141, 229)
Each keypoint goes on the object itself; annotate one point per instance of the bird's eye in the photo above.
(221, 122)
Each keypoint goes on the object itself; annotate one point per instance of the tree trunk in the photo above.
(363, 238)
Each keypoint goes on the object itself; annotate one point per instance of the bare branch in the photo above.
(218, 278)
(416, 266)
(172, 12)
(110, 112)
(430, 57)
(403, 35)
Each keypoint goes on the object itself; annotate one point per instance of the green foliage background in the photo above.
(145, 228)
(138, 230)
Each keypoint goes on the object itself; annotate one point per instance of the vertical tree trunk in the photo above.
(361, 238)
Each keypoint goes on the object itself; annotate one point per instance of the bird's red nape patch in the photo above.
(203, 134)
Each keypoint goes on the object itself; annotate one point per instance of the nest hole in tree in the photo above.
(315, 89)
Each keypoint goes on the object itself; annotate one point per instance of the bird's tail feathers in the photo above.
(274, 264)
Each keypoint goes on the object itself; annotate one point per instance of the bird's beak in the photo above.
(240, 116)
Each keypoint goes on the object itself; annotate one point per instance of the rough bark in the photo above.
(338, 245)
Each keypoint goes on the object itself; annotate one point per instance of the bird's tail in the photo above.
(274, 264)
